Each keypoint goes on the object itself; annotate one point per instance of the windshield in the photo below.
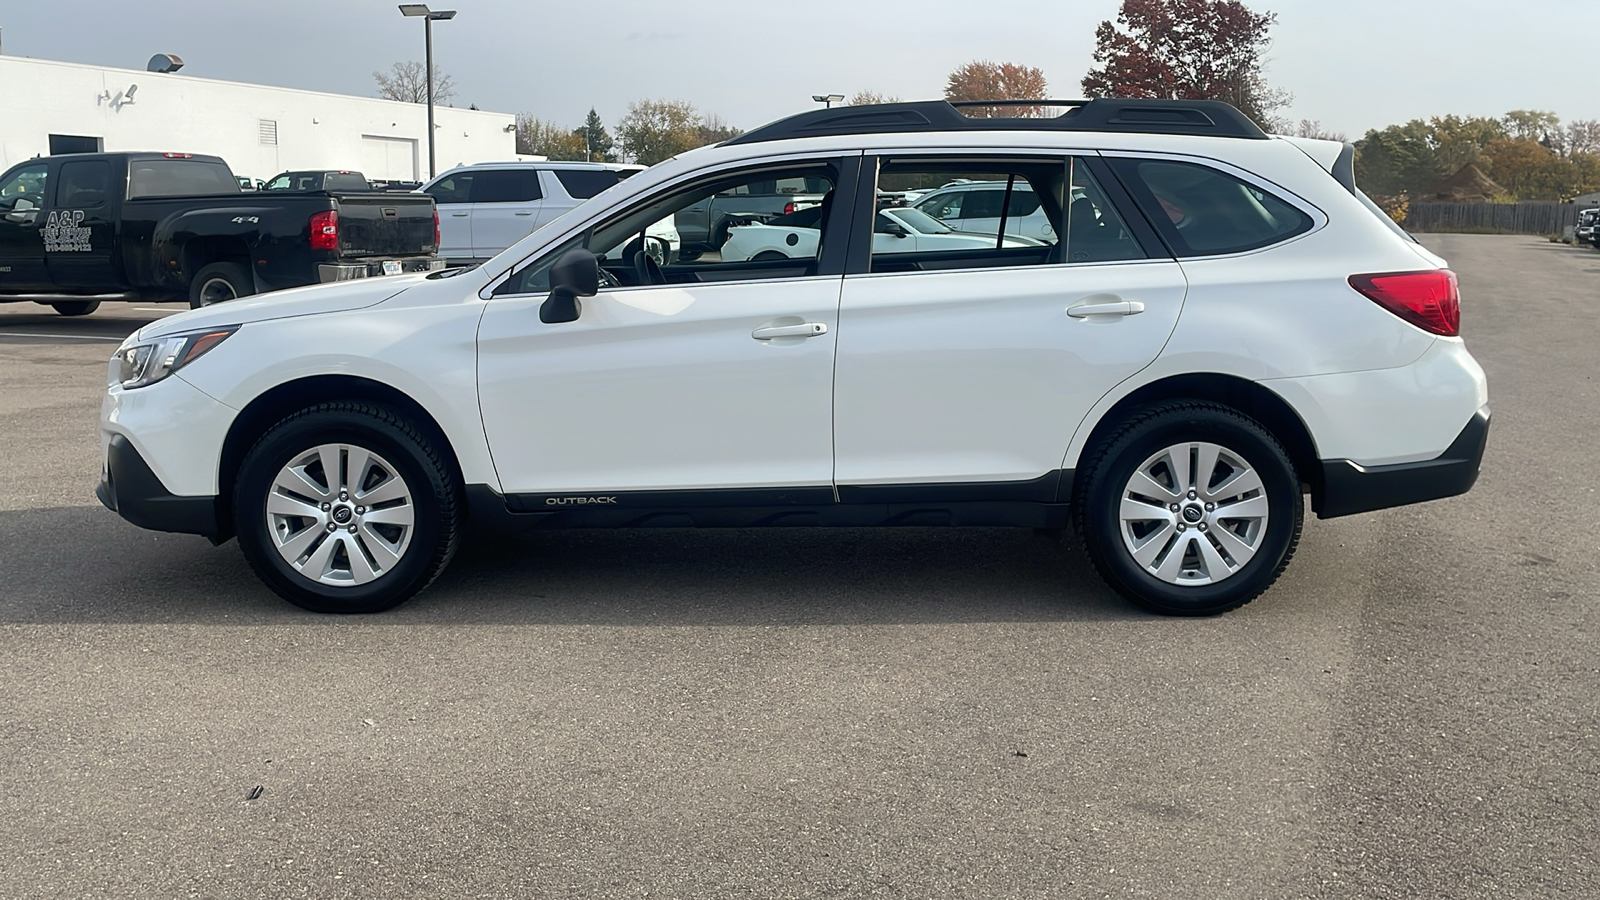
(917, 220)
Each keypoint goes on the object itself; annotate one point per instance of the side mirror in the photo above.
(576, 274)
(895, 229)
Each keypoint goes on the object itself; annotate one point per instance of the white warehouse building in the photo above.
(55, 107)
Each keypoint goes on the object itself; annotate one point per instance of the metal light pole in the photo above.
(828, 100)
(429, 16)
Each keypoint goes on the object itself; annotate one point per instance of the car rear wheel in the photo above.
(218, 283)
(1190, 509)
(75, 307)
(346, 508)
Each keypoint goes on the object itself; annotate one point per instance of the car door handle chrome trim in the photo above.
(808, 329)
(1117, 308)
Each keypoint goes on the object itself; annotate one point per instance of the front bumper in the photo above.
(374, 268)
(130, 489)
(1349, 488)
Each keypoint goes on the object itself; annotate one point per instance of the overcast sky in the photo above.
(1352, 64)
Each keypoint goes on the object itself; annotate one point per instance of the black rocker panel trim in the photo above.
(1031, 503)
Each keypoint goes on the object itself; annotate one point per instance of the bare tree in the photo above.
(1582, 136)
(984, 80)
(871, 98)
(1312, 128)
(408, 82)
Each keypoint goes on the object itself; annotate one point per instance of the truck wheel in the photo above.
(346, 507)
(220, 282)
(1189, 509)
(75, 307)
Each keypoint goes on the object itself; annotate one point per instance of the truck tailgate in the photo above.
(385, 225)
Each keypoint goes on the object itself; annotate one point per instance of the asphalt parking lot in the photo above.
(1411, 712)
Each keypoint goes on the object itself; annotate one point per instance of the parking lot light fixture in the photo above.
(428, 16)
(828, 100)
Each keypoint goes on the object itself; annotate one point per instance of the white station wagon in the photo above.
(1223, 327)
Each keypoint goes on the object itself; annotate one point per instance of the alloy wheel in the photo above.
(340, 515)
(1193, 514)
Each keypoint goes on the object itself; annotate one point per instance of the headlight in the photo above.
(148, 362)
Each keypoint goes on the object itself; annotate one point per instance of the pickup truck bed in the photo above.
(175, 227)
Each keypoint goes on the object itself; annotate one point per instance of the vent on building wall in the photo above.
(269, 131)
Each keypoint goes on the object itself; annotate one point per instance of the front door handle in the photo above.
(526, 213)
(808, 329)
(1114, 308)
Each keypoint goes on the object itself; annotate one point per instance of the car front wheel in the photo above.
(346, 508)
(1190, 509)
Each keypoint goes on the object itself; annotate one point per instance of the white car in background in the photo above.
(974, 207)
(894, 230)
(486, 207)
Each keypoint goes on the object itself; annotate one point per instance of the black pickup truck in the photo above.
(175, 226)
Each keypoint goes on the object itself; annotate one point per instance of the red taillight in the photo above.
(1429, 300)
(436, 229)
(325, 230)
(178, 155)
(788, 207)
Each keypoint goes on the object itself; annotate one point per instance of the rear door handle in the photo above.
(808, 329)
(460, 215)
(526, 213)
(1115, 308)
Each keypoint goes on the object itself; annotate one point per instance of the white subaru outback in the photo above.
(1224, 326)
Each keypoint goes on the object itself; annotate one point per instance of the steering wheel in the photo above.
(648, 270)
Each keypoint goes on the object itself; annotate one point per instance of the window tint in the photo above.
(668, 239)
(84, 185)
(506, 186)
(979, 213)
(178, 178)
(1095, 231)
(345, 181)
(581, 184)
(456, 188)
(1204, 212)
(25, 189)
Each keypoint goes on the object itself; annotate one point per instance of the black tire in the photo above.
(220, 282)
(1098, 495)
(770, 256)
(75, 307)
(435, 500)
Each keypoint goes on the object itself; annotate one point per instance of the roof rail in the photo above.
(1200, 117)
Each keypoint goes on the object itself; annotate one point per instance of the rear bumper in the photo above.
(130, 489)
(1349, 488)
(374, 268)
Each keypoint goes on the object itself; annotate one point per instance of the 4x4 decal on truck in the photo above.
(63, 232)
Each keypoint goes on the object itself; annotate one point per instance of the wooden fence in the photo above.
(1509, 218)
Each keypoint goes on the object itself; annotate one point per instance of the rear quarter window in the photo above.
(581, 184)
(1202, 211)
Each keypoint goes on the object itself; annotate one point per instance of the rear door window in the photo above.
(1202, 211)
(84, 185)
(506, 186)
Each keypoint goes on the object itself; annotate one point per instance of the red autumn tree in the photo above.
(984, 80)
(1186, 50)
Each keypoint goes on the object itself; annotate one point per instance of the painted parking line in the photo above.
(69, 337)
